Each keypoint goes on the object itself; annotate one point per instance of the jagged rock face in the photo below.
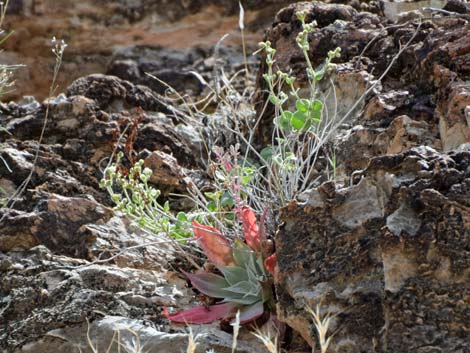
(422, 101)
(386, 249)
(65, 256)
(389, 256)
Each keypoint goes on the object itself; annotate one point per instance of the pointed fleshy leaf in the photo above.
(257, 267)
(251, 312)
(209, 284)
(245, 288)
(261, 268)
(234, 274)
(270, 263)
(242, 299)
(250, 228)
(216, 247)
(201, 314)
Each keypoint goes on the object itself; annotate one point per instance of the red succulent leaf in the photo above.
(250, 228)
(201, 314)
(209, 284)
(270, 263)
(216, 247)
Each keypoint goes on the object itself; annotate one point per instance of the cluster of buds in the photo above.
(58, 47)
(302, 37)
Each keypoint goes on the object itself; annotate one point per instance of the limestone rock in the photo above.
(134, 334)
(389, 256)
(393, 9)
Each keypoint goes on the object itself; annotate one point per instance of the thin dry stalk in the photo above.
(236, 330)
(241, 24)
(58, 51)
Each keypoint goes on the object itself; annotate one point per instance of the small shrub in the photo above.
(301, 127)
(140, 201)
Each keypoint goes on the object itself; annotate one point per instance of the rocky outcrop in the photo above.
(50, 301)
(388, 256)
(422, 100)
(66, 257)
(385, 249)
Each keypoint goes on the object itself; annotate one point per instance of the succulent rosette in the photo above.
(245, 280)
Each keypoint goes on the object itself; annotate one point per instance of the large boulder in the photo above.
(388, 256)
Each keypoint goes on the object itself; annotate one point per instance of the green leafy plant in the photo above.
(140, 201)
(302, 125)
(133, 194)
(244, 283)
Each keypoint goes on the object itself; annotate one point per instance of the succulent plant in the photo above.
(244, 282)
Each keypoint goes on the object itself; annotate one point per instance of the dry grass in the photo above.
(58, 51)
(117, 342)
(120, 345)
(322, 324)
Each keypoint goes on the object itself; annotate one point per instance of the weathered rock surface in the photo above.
(104, 330)
(65, 256)
(386, 250)
(47, 299)
(389, 256)
(422, 101)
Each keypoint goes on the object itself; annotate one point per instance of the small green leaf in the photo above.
(267, 153)
(298, 120)
(246, 179)
(317, 105)
(211, 195)
(166, 206)
(319, 75)
(212, 206)
(283, 121)
(227, 200)
(315, 117)
(182, 217)
(316, 111)
(273, 99)
(302, 105)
